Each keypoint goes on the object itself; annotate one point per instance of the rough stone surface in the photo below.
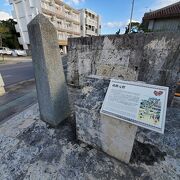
(153, 58)
(49, 75)
(31, 150)
(90, 126)
(111, 135)
(117, 137)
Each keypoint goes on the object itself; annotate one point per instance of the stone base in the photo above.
(111, 135)
(117, 137)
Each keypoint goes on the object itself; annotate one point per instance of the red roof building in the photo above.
(164, 19)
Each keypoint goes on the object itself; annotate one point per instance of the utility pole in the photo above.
(130, 24)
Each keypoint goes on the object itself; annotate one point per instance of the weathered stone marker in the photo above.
(2, 90)
(49, 75)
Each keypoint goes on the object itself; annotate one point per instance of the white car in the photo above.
(17, 52)
(5, 50)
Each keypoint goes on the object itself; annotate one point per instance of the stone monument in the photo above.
(48, 68)
(113, 129)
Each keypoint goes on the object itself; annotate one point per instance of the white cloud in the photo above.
(4, 15)
(116, 24)
(77, 1)
(162, 3)
(74, 2)
(113, 24)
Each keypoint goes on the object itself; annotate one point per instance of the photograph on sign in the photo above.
(137, 103)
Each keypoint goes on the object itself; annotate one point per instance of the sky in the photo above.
(115, 14)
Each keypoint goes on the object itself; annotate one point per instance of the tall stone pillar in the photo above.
(48, 68)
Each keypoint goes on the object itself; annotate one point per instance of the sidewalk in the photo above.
(31, 149)
(18, 97)
(14, 60)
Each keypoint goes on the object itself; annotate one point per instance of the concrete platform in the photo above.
(30, 149)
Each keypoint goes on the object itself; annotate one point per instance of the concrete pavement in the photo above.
(30, 150)
(20, 90)
(21, 70)
(14, 73)
(14, 60)
(17, 98)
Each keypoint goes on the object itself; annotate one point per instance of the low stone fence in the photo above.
(153, 58)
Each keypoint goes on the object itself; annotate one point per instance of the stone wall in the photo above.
(93, 129)
(101, 131)
(153, 58)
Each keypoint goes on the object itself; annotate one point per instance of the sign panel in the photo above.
(137, 103)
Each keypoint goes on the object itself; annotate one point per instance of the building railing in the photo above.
(91, 22)
(66, 28)
(60, 11)
(62, 37)
(90, 32)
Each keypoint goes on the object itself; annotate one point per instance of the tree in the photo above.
(144, 26)
(138, 26)
(8, 34)
(135, 25)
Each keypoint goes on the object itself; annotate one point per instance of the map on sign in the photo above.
(137, 103)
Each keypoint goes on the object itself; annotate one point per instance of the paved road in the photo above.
(14, 73)
(21, 95)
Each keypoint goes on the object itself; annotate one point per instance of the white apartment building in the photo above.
(65, 18)
(90, 23)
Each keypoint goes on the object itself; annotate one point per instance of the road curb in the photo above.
(17, 105)
(12, 86)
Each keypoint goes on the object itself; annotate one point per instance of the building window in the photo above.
(59, 22)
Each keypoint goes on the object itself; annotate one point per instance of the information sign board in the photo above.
(137, 103)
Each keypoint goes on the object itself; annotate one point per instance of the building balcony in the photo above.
(20, 40)
(62, 37)
(17, 28)
(13, 14)
(69, 30)
(51, 10)
(91, 22)
(31, 3)
(90, 32)
(68, 18)
(48, 9)
(72, 18)
(64, 28)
